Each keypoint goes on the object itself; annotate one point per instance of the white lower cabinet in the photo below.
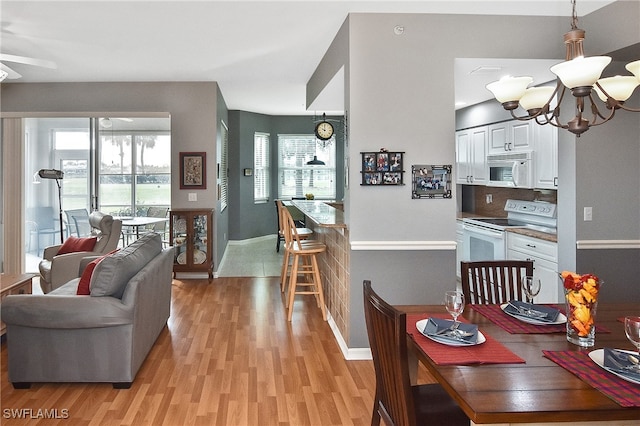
(545, 263)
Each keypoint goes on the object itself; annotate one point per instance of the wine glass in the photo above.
(454, 302)
(531, 287)
(632, 330)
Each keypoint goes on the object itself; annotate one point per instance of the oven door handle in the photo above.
(482, 231)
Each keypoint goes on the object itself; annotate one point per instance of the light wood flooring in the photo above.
(228, 356)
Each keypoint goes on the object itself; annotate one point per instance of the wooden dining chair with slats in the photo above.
(396, 400)
(494, 281)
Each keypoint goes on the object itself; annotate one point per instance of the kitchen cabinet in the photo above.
(512, 135)
(191, 235)
(546, 157)
(544, 255)
(471, 152)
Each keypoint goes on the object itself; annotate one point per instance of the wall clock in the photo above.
(324, 130)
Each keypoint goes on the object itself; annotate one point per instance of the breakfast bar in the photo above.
(326, 219)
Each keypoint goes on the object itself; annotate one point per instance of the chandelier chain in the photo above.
(574, 15)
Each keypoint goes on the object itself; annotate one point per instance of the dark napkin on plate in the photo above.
(436, 325)
(617, 361)
(551, 314)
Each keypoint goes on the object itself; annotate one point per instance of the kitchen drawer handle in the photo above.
(531, 245)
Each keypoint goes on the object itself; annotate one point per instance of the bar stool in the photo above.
(304, 262)
(303, 233)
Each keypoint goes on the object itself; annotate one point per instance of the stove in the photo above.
(537, 215)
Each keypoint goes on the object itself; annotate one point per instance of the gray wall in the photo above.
(195, 107)
(401, 96)
(254, 220)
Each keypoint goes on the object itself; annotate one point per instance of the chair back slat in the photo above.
(494, 281)
(386, 328)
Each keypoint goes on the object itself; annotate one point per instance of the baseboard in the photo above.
(350, 354)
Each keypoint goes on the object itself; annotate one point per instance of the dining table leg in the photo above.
(412, 363)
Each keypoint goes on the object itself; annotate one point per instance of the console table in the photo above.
(13, 284)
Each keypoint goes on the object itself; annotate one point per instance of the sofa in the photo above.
(57, 269)
(101, 337)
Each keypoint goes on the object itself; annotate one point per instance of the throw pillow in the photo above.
(75, 244)
(83, 285)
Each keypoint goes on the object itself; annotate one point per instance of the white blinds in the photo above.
(261, 168)
(295, 177)
(224, 167)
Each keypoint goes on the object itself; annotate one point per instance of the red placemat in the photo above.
(624, 393)
(514, 326)
(489, 352)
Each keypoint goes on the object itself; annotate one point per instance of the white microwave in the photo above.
(514, 169)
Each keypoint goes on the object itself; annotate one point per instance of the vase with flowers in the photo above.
(581, 295)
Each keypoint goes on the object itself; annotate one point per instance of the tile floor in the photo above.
(256, 257)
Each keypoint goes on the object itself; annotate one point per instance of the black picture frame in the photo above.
(431, 181)
(193, 170)
(383, 168)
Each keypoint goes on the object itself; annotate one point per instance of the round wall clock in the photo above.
(324, 130)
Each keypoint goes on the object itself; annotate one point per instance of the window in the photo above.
(224, 172)
(295, 177)
(261, 168)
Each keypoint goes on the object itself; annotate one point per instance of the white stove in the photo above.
(485, 239)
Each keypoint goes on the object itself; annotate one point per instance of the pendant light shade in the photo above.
(536, 97)
(315, 162)
(581, 72)
(509, 88)
(619, 87)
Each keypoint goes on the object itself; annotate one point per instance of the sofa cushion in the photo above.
(84, 288)
(111, 275)
(74, 244)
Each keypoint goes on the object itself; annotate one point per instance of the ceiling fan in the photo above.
(106, 121)
(7, 72)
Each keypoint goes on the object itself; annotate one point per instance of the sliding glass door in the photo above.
(121, 166)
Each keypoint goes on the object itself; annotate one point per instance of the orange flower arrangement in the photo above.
(582, 294)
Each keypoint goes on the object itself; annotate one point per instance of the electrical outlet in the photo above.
(193, 196)
(489, 198)
(588, 214)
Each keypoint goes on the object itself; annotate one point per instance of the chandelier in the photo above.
(582, 76)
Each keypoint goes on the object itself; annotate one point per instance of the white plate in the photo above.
(560, 320)
(597, 356)
(199, 257)
(182, 258)
(420, 325)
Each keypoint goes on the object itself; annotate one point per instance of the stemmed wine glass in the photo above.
(632, 330)
(454, 302)
(531, 287)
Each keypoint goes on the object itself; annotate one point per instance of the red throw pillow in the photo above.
(75, 244)
(85, 279)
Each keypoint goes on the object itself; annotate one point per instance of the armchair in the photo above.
(56, 270)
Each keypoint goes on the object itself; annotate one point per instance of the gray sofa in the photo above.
(104, 337)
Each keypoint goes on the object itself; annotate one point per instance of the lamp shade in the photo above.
(634, 68)
(509, 88)
(536, 97)
(315, 162)
(619, 88)
(581, 71)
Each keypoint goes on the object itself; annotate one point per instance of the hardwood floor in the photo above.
(228, 357)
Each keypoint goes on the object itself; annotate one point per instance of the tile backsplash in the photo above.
(499, 198)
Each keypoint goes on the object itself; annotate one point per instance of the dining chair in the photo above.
(494, 281)
(82, 216)
(396, 400)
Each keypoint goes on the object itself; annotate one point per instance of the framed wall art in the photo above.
(382, 168)
(193, 170)
(431, 181)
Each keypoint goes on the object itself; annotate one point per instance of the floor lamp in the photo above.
(58, 175)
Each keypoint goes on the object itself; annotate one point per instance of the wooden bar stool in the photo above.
(305, 263)
(303, 233)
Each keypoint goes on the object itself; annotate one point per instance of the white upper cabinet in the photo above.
(510, 136)
(546, 156)
(471, 153)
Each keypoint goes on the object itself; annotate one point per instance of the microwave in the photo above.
(514, 169)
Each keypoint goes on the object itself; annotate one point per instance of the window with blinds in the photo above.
(224, 167)
(261, 168)
(295, 177)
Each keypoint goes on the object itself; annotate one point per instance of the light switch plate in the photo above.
(193, 196)
(588, 214)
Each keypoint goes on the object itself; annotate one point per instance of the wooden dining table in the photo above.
(537, 391)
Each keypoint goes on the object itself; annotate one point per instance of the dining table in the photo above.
(515, 380)
(136, 222)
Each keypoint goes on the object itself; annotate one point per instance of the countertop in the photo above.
(321, 213)
(523, 231)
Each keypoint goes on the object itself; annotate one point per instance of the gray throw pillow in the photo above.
(114, 272)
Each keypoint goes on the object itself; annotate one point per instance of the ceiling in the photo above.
(261, 53)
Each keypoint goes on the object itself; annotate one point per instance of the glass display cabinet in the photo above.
(191, 235)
